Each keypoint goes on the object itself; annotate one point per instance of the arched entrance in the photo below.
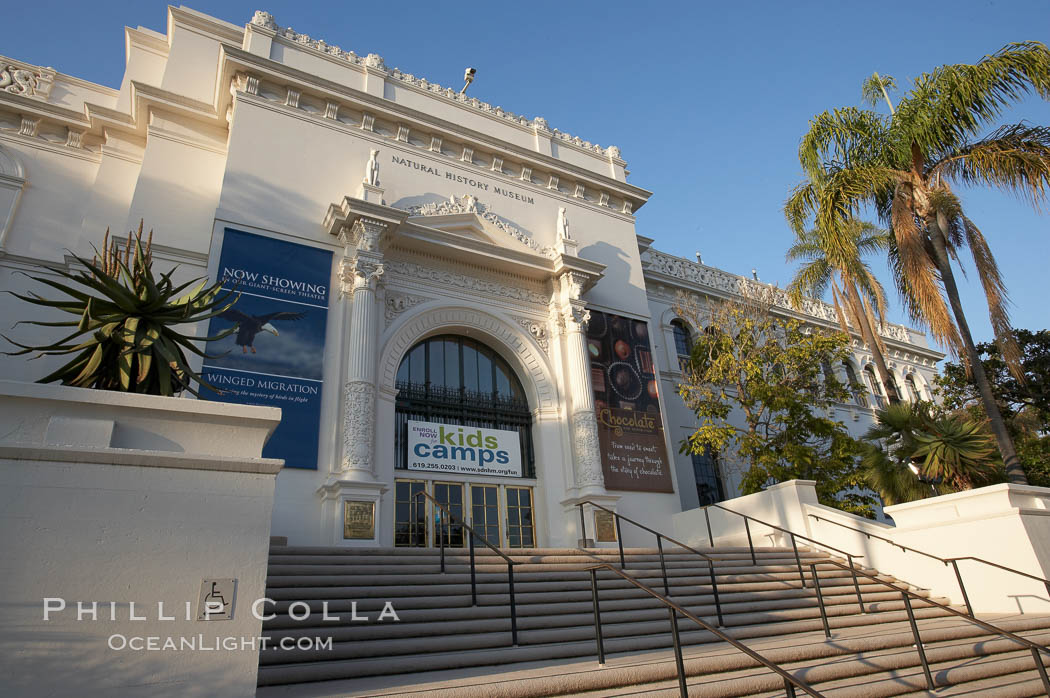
(458, 381)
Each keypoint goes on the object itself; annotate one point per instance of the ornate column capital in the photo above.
(363, 235)
(576, 317)
(360, 272)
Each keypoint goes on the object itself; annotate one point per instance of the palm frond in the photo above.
(1014, 158)
(995, 293)
(876, 88)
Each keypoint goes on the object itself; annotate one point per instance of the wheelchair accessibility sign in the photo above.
(216, 599)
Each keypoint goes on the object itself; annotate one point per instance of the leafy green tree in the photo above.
(905, 165)
(1025, 405)
(761, 387)
(835, 259)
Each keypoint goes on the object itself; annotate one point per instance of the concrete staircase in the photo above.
(442, 646)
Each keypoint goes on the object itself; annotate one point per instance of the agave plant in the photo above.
(125, 334)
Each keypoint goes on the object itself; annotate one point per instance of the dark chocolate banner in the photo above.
(626, 400)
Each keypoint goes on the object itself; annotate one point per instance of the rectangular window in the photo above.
(521, 526)
(451, 495)
(484, 512)
(709, 486)
(410, 514)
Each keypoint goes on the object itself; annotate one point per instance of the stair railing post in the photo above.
(513, 605)
(798, 560)
(1041, 668)
(473, 573)
(663, 566)
(958, 578)
(707, 516)
(679, 662)
(750, 545)
(583, 527)
(619, 541)
(856, 584)
(789, 689)
(918, 641)
(714, 590)
(597, 618)
(820, 601)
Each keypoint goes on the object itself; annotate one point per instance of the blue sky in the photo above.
(706, 101)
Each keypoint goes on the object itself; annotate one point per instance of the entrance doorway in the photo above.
(504, 514)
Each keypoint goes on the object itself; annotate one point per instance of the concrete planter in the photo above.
(116, 503)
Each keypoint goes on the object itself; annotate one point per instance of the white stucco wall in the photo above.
(123, 500)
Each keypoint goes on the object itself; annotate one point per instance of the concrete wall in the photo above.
(1003, 524)
(128, 499)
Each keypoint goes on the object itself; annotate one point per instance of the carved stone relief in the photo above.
(538, 330)
(359, 426)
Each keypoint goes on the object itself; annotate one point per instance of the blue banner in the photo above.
(276, 356)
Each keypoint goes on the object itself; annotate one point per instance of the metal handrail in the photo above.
(794, 545)
(906, 594)
(473, 569)
(660, 537)
(790, 682)
(953, 561)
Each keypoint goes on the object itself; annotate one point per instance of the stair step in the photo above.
(440, 637)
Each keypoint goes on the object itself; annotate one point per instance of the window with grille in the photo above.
(450, 379)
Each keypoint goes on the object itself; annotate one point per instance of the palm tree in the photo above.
(946, 449)
(835, 259)
(905, 163)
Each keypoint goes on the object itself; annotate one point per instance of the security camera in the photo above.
(468, 76)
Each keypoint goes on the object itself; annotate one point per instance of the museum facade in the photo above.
(441, 295)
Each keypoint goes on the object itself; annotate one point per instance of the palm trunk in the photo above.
(867, 333)
(1014, 471)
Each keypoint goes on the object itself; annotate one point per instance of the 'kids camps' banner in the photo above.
(276, 356)
(455, 449)
(626, 399)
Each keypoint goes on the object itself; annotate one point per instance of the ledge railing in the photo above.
(472, 536)
(660, 538)
(953, 561)
(1038, 651)
(673, 611)
(794, 544)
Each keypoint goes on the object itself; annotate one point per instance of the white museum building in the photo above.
(440, 294)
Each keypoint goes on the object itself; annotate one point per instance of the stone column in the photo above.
(360, 274)
(588, 461)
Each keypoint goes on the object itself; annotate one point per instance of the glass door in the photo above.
(410, 514)
(484, 512)
(521, 527)
(451, 495)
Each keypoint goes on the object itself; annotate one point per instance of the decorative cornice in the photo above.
(374, 61)
(703, 275)
(27, 80)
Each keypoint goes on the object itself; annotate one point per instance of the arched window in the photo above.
(451, 379)
(874, 385)
(851, 376)
(683, 341)
(909, 381)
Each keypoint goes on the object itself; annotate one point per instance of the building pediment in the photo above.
(462, 230)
